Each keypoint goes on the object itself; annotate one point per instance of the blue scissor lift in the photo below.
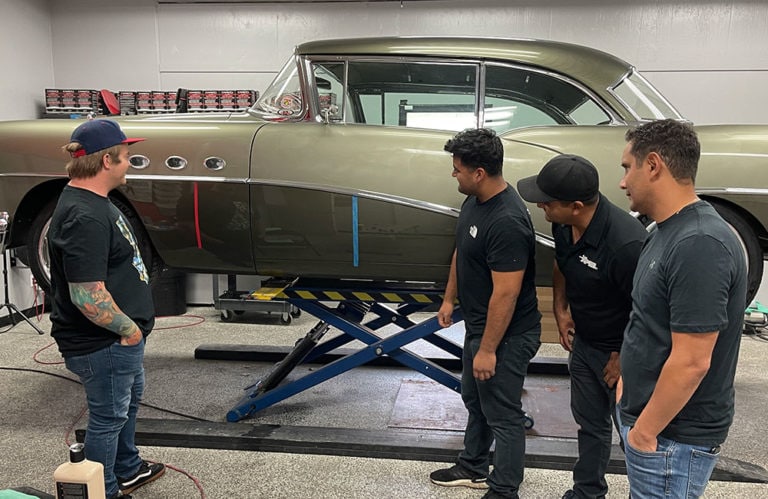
(345, 305)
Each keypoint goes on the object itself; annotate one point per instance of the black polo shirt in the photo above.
(598, 272)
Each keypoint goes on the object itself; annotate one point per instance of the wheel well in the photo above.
(30, 206)
(762, 233)
(156, 260)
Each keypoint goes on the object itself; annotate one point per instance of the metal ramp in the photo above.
(353, 302)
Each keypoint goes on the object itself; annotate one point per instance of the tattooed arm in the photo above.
(96, 303)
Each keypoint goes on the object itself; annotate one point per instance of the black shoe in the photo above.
(148, 472)
(492, 494)
(571, 494)
(120, 495)
(457, 475)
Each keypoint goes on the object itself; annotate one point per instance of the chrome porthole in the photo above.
(214, 163)
(176, 162)
(138, 161)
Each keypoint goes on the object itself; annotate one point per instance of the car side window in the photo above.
(417, 94)
(329, 81)
(518, 97)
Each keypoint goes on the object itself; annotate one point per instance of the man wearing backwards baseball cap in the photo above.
(596, 250)
(102, 302)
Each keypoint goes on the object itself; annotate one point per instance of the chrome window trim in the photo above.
(614, 117)
(633, 71)
(386, 59)
(480, 78)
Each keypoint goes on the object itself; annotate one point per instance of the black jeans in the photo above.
(592, 405)
(496, 411)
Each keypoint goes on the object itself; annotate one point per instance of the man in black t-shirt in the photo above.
(492, 274)
(678, 361)
(596, 249)
(102, 303)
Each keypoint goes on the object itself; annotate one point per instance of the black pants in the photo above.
(592, 405)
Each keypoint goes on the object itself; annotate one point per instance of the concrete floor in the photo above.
(38, 410)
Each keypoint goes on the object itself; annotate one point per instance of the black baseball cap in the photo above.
(566, 177)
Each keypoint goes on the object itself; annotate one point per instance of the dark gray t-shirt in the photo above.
(690, 278)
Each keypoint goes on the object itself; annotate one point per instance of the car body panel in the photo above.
(326, 176)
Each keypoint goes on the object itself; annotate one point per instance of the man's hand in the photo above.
(445, 314)
(612, 370)
(484, 365)
(566, 337)
(133, 339)
(638, 441)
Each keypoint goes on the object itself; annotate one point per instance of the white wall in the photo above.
(709, 57)
(27, 62)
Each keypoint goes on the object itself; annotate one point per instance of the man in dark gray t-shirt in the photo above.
(681, 345)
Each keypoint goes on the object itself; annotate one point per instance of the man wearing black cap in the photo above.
(102, 303)
(492, 273)
(596, 250)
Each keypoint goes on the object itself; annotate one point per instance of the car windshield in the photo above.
(642, 100)
(282, 99)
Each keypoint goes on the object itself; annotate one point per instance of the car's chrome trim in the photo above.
(27, 174)
(734, 190)
(737, 154)
(139, 161)
(176, 162)
(214, 163)
(545, 240)
(377, 196)
(188, 178)
(308, 60)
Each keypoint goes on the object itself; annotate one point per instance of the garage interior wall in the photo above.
(709, 58)
(27, 61)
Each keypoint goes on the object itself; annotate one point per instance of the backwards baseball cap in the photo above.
(96, 135)
(566, 177)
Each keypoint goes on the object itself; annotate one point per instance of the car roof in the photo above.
(594, 68)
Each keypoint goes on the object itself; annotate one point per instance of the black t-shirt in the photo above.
(89, 240)
(495, 235)
(691, 278)
(598, 273)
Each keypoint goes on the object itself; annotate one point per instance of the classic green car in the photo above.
(338, 170)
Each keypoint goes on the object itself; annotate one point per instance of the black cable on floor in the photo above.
(194, 479)
(145, 404)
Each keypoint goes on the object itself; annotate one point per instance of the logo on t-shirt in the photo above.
(589, 263)
(473, 231)
(138, 263)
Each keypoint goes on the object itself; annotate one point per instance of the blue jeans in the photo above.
(496, 411)
(592, 405)
(675, 470)
(113, 379)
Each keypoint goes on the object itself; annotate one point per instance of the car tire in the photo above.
(749, 243)
(36, 254)
(37, 243)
